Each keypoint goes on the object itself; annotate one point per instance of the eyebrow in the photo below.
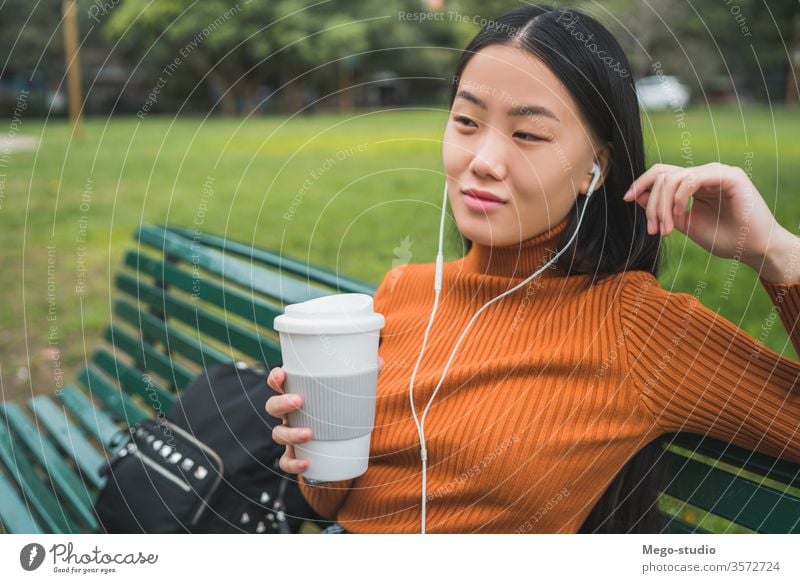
(519, 111)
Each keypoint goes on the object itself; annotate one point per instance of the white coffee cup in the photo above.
(330, 356)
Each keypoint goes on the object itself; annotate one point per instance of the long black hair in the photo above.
(588, 60)
(613, 237)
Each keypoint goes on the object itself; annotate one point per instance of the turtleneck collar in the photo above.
(518, 260)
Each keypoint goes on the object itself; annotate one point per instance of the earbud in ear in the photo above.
(597, 173)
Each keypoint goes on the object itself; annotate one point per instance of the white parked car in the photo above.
(661, 92)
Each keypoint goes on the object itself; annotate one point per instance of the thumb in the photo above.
(380, 363)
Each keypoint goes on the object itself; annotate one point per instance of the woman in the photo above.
(558, 386)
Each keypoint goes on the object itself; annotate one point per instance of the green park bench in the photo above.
(188, 300)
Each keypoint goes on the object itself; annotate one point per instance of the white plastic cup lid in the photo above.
(334, 314)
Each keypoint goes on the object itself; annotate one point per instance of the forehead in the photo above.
(505, 77)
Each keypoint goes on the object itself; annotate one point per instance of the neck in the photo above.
(518, 260)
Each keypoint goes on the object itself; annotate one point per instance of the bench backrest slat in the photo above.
(244, 340)
(754, 506)
(232, 301)
(37, 495)
(65, 480)
(69, 438)
(779, 470)
(174, 340)
(116, 401)
(91, 417)
(135, 382)
(677, 526)
(279, 287)
(304, 270)
(147, 357)
(14, 516)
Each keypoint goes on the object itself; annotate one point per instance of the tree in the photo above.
(238, 47)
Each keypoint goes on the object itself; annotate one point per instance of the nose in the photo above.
(490, 158)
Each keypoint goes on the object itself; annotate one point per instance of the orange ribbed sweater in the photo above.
(554, 388)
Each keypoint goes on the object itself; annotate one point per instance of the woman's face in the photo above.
(514, 132)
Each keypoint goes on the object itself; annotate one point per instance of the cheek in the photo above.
(456, 153)
(540, 179)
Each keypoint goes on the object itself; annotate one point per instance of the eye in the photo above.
(526, 137)
(465, 121)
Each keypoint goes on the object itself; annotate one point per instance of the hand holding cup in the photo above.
(280, 406)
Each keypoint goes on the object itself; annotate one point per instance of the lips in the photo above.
(483, 195)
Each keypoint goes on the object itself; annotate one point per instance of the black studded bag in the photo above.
(209, 466)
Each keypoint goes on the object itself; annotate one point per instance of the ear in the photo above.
(603, 157)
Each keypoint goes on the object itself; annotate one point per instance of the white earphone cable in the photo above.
(437, 290)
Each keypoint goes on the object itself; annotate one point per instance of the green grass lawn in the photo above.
(355, 187)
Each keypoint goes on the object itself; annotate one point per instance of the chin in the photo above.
(485, 235)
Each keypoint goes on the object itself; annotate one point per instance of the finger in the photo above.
(680, 205)
(381, 363)
(642, 198)
(276, 378)
(280, 405)
(652, 206)
(291, 455)
(284, 435)
(671, 184)
(289, 464)
(715, 179)
(647, 180)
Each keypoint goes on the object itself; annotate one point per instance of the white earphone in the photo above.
(437, 287)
